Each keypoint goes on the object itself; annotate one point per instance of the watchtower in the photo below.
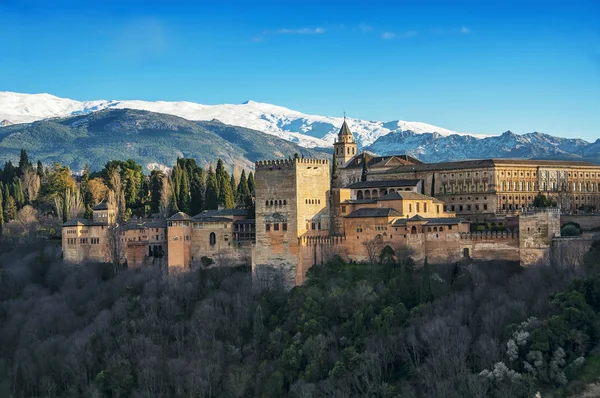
(291, 203)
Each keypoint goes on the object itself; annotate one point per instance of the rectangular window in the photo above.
(410, 208)
(319, 225)
(343, 209)
(83, 240)
(450, 227)
(469, 207)
(425, 207)
(460, 208)
(276, 226)
(268, 227)
(284, 226)
(313, 225)
(417, 207)
(484, 207)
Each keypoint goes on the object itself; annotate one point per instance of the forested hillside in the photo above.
(362, 330)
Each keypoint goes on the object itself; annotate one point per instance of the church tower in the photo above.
(345, 146)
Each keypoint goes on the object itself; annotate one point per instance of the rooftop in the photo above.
(430, 221)
(383, 184)
(407, 195)
(374, 212)
(179, 216)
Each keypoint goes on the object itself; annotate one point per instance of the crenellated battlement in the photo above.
(284, 163)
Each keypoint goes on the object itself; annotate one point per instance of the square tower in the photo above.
(291, 205)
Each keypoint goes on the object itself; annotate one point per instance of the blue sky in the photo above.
(472, 66)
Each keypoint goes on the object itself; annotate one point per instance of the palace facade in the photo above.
(303, 216)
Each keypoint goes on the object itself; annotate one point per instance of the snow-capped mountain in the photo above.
(306, 130)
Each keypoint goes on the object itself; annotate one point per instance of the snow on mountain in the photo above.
(306, 130)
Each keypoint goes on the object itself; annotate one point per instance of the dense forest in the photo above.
(385, 329)
(36, 199)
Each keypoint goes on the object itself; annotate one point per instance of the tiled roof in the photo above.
(380, 161)
(383, 184)
(144, 224)
(430, 221)
(407, 195)
(345, 130)
(222, 213)
(211, 219)
(374, 212)
(179, 216)
(359, 201)
(101, 206)
(82, 222)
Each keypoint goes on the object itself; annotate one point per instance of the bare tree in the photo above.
(69, 205)
(31, 184)
(373, 247)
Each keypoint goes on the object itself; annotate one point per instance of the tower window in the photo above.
(213, 239)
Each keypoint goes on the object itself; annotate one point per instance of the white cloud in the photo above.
(301, 31)
(391, 35)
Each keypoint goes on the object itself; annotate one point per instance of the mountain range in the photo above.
(254, 121)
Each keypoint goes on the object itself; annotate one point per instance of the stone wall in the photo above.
(536, 231)
(586, 221)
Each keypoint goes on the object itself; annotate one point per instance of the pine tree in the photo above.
(197, 192)
(184, 194)
(251, 184)
(212, 192)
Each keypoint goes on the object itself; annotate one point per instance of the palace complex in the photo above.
(480, 209)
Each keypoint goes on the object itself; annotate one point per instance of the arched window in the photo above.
(359, 195)
(367, 194)
(213, 239)
(271, 203)
(413, 230)
(267, 203)
(374, 194)
(285, 202)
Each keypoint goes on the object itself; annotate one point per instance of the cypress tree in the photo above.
(89, 214)
(220, 171)
(156, 185)
(40, 169)
(10, 209)
(334, 175)
(24, 163)
(251, 183)
(363, 176)
(243, 192)
(212, 192)
(425, 292)
(225, 193)
(184, 194)
(1, 213)
(197, 192)
(17, 193)
(233, 186)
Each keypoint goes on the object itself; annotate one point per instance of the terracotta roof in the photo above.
(222, 213)
(83, 222)
(359, 201)
(374, 212)
(211, 219)
(179, 216)
(383, 184)
(380, 161)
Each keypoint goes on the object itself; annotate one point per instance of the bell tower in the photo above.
(345, 146)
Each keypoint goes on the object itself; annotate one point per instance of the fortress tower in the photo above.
(291, 204)
(345, 146)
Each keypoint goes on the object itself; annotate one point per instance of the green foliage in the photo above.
(206, 261)
(570, 230)
(212, 191)
(541, 200)
(251, 184)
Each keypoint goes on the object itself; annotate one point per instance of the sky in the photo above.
(470, 66)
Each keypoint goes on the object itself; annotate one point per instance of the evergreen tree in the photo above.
(221, 173)
(197, 192)
(363, 176)
(88, 214)
(212, 191)
(225, 193)
(9, 174)
(1, 213)
(40, 169)
(17, 193)
(10, 209)
(334, 175)
(251, 184)
(156, 186)
(184, 193)
(242, 191)
(24, 163)
(233, 186)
